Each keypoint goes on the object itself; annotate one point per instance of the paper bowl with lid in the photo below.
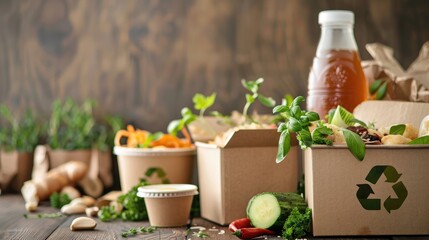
(133, 163)
(168, 205)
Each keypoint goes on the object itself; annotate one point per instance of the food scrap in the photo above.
(136, 138)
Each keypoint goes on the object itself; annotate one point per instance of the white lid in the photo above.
(336, 17)
(167, 190)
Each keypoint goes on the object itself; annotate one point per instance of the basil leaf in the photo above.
(294, 125)
(397, 129)
(175, 126)
(284, 146)
(280, 109)
(282, 127)
(269, 102)
(420, 140)
(355, 144)
(185, 111)
(298, 100)
(312, 116)
(304, 138)
(295, 111)
(355, 120)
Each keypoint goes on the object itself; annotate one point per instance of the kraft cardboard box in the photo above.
(385, 194)
(229, 176)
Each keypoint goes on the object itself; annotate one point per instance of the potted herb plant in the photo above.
(71, 132)
(18, 138)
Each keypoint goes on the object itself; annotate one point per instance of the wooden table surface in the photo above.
(13, 225)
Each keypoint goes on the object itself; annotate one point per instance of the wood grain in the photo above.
(14, 226)
(144, 60)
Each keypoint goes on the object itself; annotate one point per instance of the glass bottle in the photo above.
(336, 77)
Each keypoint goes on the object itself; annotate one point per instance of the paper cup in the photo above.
(133, 163)
(168, 205)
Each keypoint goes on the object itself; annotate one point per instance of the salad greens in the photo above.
(297, 224)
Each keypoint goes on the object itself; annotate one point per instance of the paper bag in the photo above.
(409, 85)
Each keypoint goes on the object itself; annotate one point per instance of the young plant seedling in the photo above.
(201, 103)
(253, 87)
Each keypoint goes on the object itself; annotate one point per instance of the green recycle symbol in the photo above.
(391, 203)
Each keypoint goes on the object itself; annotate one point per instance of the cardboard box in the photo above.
(245, 166)
(385, 194)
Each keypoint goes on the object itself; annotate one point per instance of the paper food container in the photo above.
(133, 163)
(229, 176)
(385, 194)
(168, 205)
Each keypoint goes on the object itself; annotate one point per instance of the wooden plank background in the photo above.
(144, 60)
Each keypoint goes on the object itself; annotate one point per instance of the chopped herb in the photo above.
(141, 230)
(58, 200)
(200, 234)
(44, 215)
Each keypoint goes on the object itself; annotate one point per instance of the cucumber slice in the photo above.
(342, 118)
(270, 210)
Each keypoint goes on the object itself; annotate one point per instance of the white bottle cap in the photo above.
(336, 17)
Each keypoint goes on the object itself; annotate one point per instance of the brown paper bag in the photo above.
(15, 169)
(410, 85)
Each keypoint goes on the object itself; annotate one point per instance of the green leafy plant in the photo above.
(297, 224)
(20, 135)
(253, 87)
(71, 127)
(58, 200)
(105, 132)
(201, 103)
(296, 120)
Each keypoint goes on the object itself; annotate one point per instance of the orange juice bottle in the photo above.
(336, 77)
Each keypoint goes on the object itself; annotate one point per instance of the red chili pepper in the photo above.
(239, 223)
(247, 233)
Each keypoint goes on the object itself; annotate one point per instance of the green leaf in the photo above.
(397, 129)
(355, 120)
(283, 147)
(375, 85)
(282, 127)
(297, 101)
(295, 111)
(331, 115)
(175, 126)
(267, 101)
(203, 102)
(381, 92)
(186, 112)
(280, 109)
(250, 98)
(150, 171)
(294, 125)
(355, 144)
(312, 116)
(287, 100)
(252, 86)
(320, 135)
(304, 138)
(420, 140)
